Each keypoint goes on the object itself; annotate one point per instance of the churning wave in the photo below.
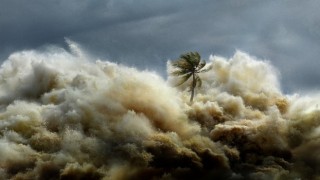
(65, 116)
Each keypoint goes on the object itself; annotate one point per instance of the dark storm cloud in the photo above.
(145, 34)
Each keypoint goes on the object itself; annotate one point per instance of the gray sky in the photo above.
(145, 34)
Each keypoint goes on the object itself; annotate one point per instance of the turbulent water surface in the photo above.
(65, 116)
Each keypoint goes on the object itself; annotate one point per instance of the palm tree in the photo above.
(188, 65)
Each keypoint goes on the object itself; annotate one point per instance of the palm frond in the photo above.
(187, 58)
(180, 72)
(182, 64)
(198, 80)
(183, 79)
(201, 65)
(192, 57)
(205, 70)
(196, 58)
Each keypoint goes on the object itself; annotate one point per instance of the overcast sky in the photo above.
(145, 34)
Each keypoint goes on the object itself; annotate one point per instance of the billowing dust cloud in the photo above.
(65, 116)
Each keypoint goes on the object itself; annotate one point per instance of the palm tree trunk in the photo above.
(193, 86)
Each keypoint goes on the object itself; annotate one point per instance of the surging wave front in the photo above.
(64, 116)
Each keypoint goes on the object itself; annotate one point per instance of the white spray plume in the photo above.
(65, 117)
